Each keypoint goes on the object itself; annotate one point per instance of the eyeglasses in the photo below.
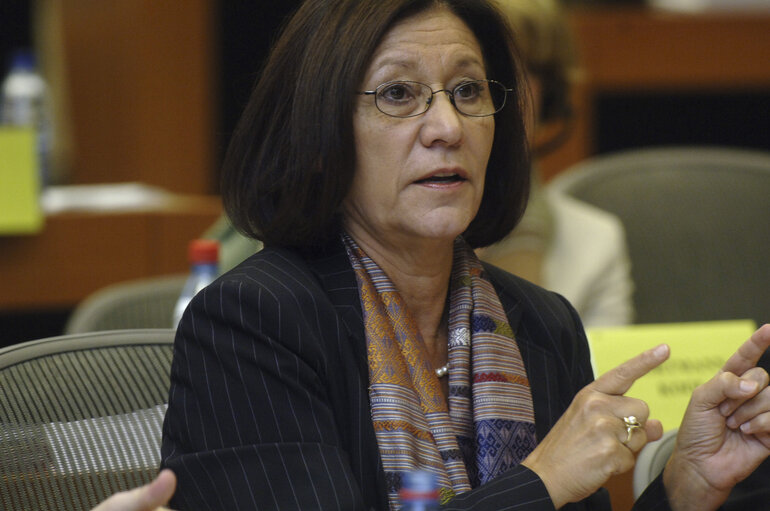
(474, 98)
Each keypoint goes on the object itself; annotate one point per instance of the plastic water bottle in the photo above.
(25, 103)
(204, 268)
(419, 491)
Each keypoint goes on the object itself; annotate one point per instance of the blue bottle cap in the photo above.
(23, 59)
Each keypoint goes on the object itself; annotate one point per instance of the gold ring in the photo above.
(631, 423)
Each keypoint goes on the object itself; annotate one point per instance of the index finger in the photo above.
(748, 354)
(618, 380)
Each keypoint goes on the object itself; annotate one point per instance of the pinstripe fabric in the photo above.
(269, 407)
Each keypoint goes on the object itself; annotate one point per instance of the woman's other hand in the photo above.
(591, 441)
(149, 497)
(725, 433)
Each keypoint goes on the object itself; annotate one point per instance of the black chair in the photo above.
(81, 417)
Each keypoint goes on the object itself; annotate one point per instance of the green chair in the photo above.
(141, 303)
(697, 222)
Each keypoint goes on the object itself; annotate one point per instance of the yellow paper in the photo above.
(19, 182)
(698, 351)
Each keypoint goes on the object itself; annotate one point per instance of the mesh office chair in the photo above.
(697, 223)
(81, 417)
(142, 303)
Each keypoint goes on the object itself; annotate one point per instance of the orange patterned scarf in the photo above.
(486, 425)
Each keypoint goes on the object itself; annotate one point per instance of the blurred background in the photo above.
(148, 92)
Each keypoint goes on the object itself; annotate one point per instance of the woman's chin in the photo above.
(439, 229)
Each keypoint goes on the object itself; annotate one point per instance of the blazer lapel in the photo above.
(338, 280)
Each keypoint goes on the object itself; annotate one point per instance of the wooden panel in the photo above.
(78, 253)
(643, 48)
(139, 82)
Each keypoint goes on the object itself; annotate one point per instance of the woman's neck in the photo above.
(421, 273)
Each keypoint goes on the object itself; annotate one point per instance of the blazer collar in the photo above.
(335, 273)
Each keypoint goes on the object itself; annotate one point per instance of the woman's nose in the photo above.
(442, 122)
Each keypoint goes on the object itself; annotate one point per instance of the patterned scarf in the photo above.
(488, 426)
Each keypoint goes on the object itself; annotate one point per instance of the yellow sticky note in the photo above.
(19, 182)
(698, 351)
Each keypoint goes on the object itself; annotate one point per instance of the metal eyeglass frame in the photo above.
(429, 102)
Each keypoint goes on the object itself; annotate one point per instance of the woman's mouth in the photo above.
(441, 178)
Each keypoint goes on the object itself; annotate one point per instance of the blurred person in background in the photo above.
(561, 243)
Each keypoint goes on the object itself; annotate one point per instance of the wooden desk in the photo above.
(80, 252)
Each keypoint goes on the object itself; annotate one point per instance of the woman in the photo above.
(366, 339)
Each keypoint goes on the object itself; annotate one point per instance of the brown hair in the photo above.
(292, 156)
(546, 43)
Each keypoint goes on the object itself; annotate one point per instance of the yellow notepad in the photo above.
(698, 351)
(20, 211)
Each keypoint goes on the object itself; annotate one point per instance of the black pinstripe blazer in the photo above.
(268, 405)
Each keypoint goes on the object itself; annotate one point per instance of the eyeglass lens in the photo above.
(407, 99)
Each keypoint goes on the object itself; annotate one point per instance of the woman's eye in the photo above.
(397, 92)
(468, 90)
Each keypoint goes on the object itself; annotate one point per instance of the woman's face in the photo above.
(419, 177)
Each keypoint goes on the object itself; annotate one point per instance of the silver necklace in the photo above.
(444, 370)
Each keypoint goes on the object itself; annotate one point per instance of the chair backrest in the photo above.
(697, 223)
(651, 461)
(142, 303)
(81, 417)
